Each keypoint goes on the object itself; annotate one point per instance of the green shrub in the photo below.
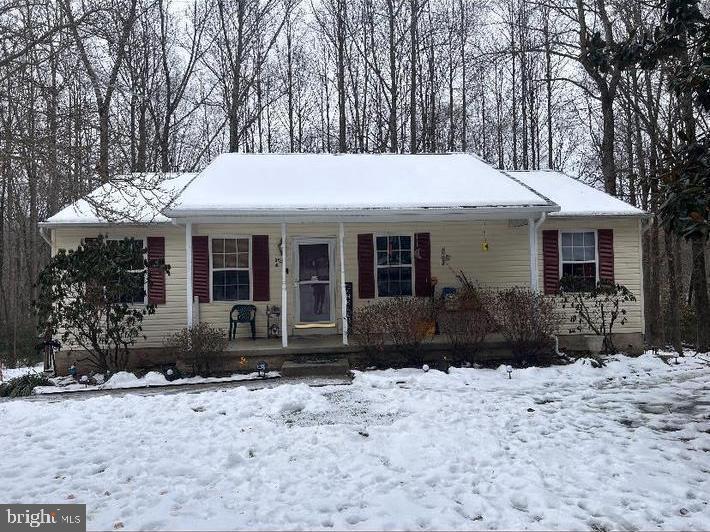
(22, 386)
(93, 298)
(198, 347)
(527, 320)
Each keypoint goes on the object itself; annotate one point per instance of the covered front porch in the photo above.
(302, 277)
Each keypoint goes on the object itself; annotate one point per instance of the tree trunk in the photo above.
(464, 103)
(414, 8)
(342, 17)
(393, 77)
(607, 144)
(672, 317)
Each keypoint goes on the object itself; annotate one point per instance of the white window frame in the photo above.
(144, 239)
(251, 272)
(377, 266)
(596, 251)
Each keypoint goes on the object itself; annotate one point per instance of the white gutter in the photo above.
(504, 211)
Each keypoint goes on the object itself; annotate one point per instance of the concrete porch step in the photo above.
(307, 367)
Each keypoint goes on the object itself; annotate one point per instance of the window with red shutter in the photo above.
(579, 260)
(156, 274)
(550, 261)
(201, 268)
(605, 251)
(422, 264)
(260, 267)
(394, 265)
(365, 266)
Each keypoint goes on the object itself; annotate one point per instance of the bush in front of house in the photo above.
(597, 309)
(367, 329)
(405, 322)
(466, 318)
(23, 385)
(93, 297)
(409, 322)
(528, 321)
(198, 347)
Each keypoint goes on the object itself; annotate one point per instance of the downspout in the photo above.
(533, 227)
(189, 301)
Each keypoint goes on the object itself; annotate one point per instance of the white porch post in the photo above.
(188, 273)
(532, 236)
(284, 292)
(343, 294)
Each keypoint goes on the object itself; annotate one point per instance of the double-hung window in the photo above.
(230, 269)
(394, 265)
(579, 259)
(132, 289)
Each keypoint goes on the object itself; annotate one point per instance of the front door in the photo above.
(313, 286)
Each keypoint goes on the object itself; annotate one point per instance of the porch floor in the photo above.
(307, 345)
(311, 345)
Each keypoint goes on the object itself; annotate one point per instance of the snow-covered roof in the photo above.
(236, 183)
(574, 197)
(130, 198)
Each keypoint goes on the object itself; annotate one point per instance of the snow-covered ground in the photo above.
(11, 373)
(622, 447)
(124, 380)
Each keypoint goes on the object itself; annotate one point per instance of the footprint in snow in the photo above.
(519, 502)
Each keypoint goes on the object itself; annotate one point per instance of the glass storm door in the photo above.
(314, 301)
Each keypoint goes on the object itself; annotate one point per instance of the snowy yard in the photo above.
(623, 447)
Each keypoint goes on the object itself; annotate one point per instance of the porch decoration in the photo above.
(273, 321)
(262, 367)
(445, 257)
(171, 373)
(278, 259)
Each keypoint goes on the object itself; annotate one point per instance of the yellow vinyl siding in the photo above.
(505, 264)
(627, 260)
(168, 318)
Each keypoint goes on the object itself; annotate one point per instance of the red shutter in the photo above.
(551, 261)
(260, 267)
(365, 266)
(605, 250)
(156, 274)
(201, 268)
(422, 264)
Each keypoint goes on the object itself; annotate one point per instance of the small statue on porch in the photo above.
(273, 321)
